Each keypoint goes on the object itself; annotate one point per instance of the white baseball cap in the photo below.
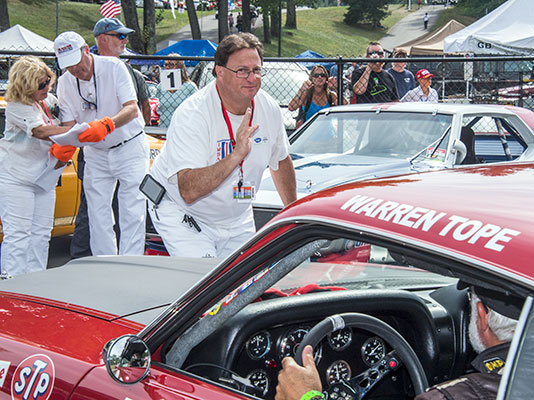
(67, 48)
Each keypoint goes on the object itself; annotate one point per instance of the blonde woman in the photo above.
(315, 94)
(169, 100)
(27, 205)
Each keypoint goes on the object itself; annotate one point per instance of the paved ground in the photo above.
(410, 27)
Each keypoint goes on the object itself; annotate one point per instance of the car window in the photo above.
(387, 134)
(520, 373)
(488, 144)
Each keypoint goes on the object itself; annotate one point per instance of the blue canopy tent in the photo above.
(313, 54)
(190, 48)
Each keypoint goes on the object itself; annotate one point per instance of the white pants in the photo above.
(183, 240)
(27, 214)
(126, 164)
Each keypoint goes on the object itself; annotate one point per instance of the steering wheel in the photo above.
(357, 387)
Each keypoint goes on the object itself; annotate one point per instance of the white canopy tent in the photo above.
(21, 39)
(507, 30)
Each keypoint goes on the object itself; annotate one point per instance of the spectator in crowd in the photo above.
(218, 144)
(169, 100)
(404, 79)
(371, 83)
(491, 328)
(154, 73)
(99, 90)
(230, 22)
(316, 93)
(425, 20)
(239, 22)
(111, 38)
(423, 92)
(26, 199)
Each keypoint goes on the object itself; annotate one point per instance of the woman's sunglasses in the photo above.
(319, 75)
(44, 84)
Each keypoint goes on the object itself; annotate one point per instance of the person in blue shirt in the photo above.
(316, 93)
(404, 79)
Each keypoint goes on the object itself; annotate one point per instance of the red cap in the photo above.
(423, 73)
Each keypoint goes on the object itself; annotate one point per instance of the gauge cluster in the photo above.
(340, 356)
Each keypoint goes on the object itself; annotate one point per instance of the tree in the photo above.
(291, 15)
(222, 14)
(149, 26)
(193, 20)
(366, 11)
(4, 16)
(131, 21)
(245, 6)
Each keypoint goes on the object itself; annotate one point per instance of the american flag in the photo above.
(111, 8)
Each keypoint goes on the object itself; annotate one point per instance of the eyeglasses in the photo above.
(44, 84)
(120, 36)
(244, 73)
(379, 53)
(319, 75)
(173, 65)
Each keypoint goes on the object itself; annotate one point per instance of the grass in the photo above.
(335, 38)
(39, 16)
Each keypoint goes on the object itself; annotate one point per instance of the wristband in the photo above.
(312, 394)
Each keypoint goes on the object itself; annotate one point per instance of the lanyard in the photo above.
(94, 82)
(231, 133)
(41, 106)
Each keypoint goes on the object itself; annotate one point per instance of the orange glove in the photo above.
(98, 130)
(62, 153)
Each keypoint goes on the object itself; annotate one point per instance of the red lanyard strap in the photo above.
(231, 132)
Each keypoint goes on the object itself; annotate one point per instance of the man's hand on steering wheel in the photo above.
(294, 381)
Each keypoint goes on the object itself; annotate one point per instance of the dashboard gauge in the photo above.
(338, 371)
(341, 339)
(260, 380)
(373, 351)
(291, 342)
(258, 345)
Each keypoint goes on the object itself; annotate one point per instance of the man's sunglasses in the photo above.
(379, 53)
(319, 75)
(44, 84)
(120, 36)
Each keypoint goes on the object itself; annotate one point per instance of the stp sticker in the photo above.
(33, 378)
(4, 366)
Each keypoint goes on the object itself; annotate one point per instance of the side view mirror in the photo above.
(459, 150)
(127, 359)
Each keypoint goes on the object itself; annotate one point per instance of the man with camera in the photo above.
(371, 83)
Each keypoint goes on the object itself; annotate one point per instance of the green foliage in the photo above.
(366, 11)
(478, 8)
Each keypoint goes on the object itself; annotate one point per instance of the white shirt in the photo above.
(417, 94)
(113, 88)
(198, 137)
(21, 154)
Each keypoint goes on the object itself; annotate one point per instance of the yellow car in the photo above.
(68, 193)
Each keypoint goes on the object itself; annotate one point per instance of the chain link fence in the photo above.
(479, 80)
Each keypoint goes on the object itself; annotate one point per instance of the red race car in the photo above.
(205, 329)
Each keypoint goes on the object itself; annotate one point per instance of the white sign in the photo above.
(4, 366)
(170, 79)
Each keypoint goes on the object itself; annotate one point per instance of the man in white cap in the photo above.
(111, 38)
(99, 90)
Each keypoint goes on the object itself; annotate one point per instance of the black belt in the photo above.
(126, 141)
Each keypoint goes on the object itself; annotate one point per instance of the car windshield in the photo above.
(399, 135)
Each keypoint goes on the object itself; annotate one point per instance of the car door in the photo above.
(160, 384)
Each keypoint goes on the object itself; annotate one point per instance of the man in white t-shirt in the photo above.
(99, 90)
(219, 143)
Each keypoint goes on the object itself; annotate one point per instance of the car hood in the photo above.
(136, 288)
(321, 171)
